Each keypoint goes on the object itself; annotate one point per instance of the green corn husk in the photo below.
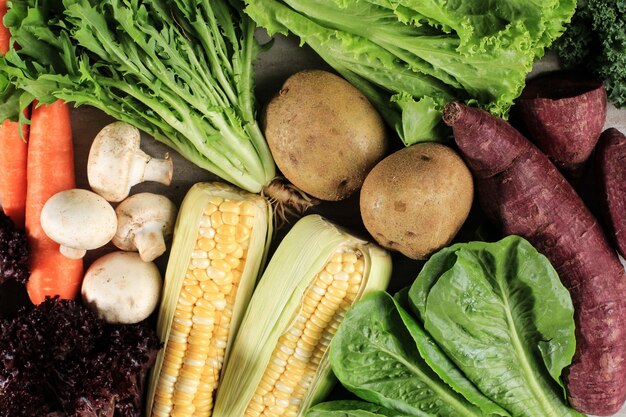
(285, 293)
(193, 317)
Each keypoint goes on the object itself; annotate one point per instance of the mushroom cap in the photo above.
(110, 159)
(140, 210)
(78, 219)
(121, 288)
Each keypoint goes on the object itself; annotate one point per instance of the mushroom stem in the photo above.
(146, 168)
(149, 241)
(159, 170)
(72, 253)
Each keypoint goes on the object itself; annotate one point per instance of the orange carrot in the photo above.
(13, 153)
(5, 35)
(50, 170)
(13, 150)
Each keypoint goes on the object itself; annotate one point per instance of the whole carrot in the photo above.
(524, 192)
(13, 150)
(50, 170)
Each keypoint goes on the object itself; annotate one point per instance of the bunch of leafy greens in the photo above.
(596, 41)
(59, 359)
(485, 330)
(410, 57)
(180, 71)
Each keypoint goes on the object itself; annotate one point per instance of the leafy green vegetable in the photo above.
(410, 57)
(352, 409)
(375, 357)
(180, 71)
(500, 313)
(440, 363)
(596, 40)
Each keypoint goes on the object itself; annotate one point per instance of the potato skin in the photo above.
(324, 134)
(416, 200)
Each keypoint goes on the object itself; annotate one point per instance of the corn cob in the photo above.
(220, 242)
(279, 364)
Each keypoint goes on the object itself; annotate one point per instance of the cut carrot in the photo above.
(13, 151)
(50, 170)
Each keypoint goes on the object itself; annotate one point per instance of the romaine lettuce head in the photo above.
(500, 313)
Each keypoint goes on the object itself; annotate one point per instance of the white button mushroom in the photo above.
(78, 220)
(116, 163)
(121, 288)
(144, 222)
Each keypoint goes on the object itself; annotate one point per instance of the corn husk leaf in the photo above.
(278, 298)
(186, 233)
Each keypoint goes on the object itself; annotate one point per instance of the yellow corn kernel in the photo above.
(207, 232)
(246, 220)
(242, 232)
(228, 247)
(216, 220)
(224, 238)
(205, 244)
(230, 218)
(210, 209)
(226, 230)
(333, 267)
(231, 206)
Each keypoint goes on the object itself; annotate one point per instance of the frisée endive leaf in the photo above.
(180, 71)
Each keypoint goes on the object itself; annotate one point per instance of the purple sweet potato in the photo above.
(523, 191)
(564, 114)
(611, 164)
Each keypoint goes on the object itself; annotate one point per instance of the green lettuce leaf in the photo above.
(428, 51)
(374, 355)
(349, 408)
(481, 23)
(440, 363)
(410, 57)
(500, 313)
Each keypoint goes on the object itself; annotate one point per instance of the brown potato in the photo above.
(415, 200)
(324, 134)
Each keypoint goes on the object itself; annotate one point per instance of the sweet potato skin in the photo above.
(565, 116)
(528, 196)
(611, 167)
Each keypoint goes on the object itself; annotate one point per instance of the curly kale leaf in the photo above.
(596, 41)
